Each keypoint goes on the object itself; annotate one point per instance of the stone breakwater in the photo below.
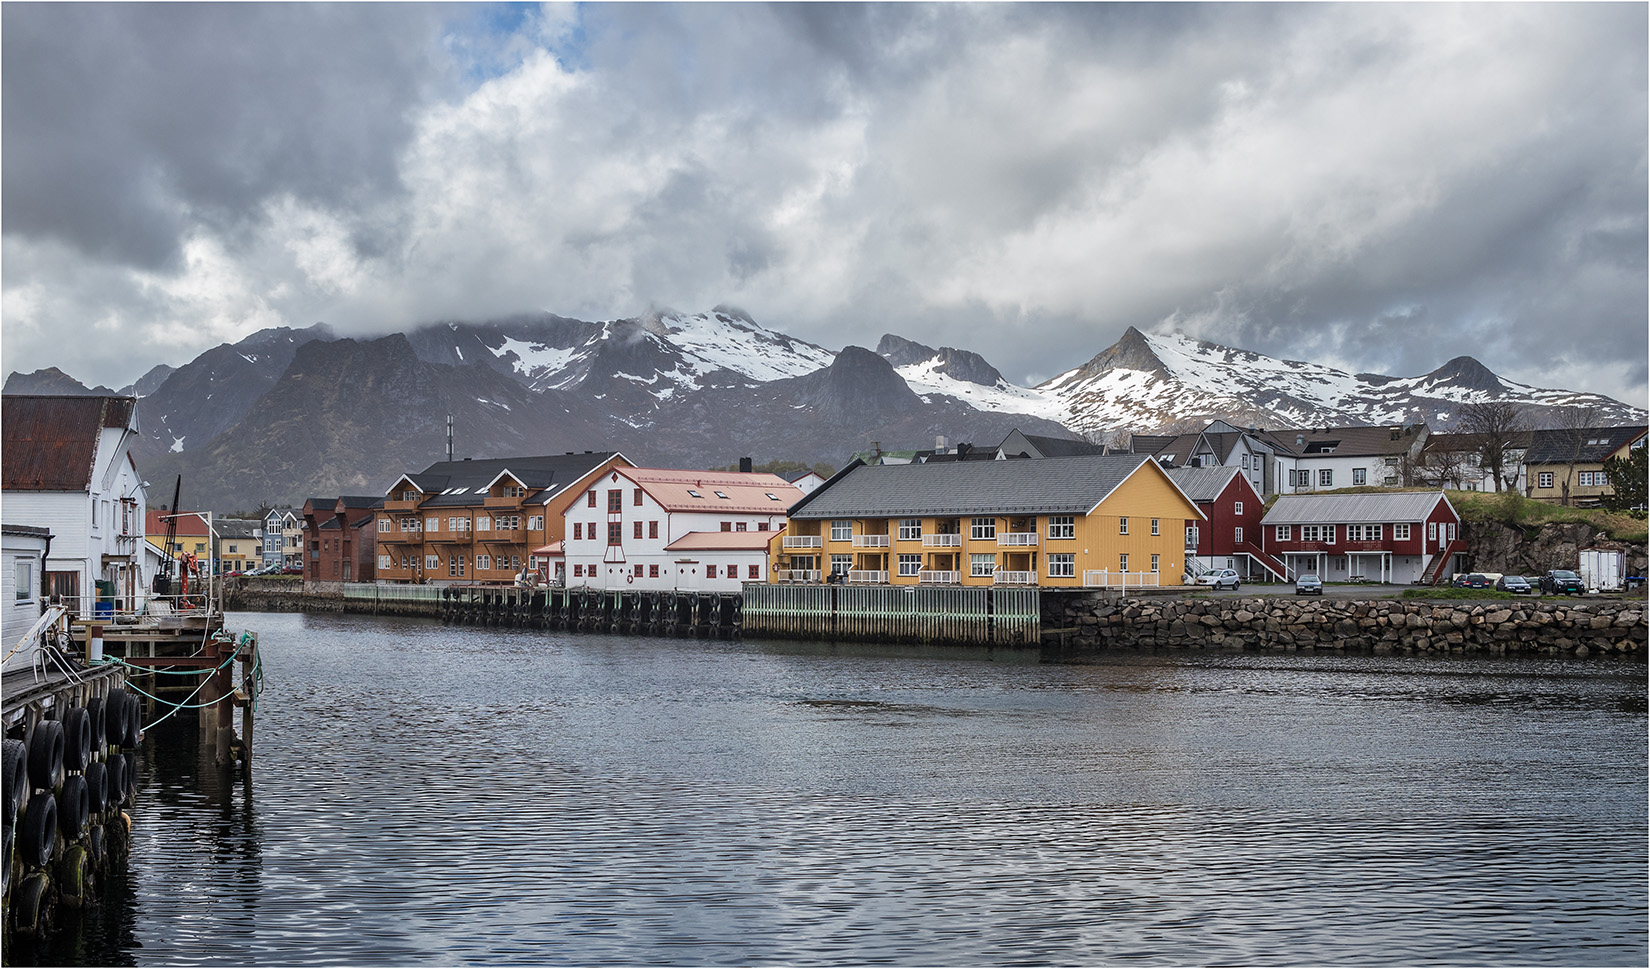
(1087, 622)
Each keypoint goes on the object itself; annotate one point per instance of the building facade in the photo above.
(339, 538)
(1090, 520)
(1566, 466)
(1395, 537)
(1230, 537)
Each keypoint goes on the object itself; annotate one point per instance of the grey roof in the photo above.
(1071, 485)
(794, 476)
(1563, 446)
(1399, 506)
(1056, 447)
(361, 501)
(237, 527)
(550, 471)
(26, 531)
(1203, 484)
(1360, 441)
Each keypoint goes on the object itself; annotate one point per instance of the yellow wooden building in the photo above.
(1082, 521)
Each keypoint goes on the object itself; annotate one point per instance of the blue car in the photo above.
(1308, 585)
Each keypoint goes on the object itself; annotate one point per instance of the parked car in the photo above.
(293, 570)
(1564, 581)
(1308, 585)
(1516, 584)
(1220, 578)
(1473, 580)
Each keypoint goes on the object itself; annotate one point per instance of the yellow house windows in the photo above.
(1122, 526)
(982, 528)
(1154, 523)
(910, 530)
(982, 563)
(1062, 565)
(842, 530)
(1062, 526)
(1123, 562)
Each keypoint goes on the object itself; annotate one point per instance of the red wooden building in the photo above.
(1401, 537)
(338, 539)
(1231, 538)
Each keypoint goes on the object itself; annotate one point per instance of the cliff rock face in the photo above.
(1496, 547)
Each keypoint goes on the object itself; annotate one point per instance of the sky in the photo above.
(1377, 187)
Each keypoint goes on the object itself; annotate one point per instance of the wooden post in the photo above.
(208, 718)
(249, 662)
(224, 685)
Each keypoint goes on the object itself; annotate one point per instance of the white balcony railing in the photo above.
(796, 575)
(953, 540)
(1107, 579)
(1005, 577)
(871, 541)
(802, 541)
(867, 576)
(1016, 538)
(936, 577)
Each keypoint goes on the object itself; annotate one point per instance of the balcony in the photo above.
(1016, 539)
(871, 541)
(511, 535)
(492, 502)
(936, 577)
(802, 541)
(400, 505)
(867, 576)
(953, 540)
(1005, 577)
(794, 576)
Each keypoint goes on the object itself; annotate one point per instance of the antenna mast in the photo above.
(449, 437)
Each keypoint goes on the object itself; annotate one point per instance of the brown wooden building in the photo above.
(338, 544)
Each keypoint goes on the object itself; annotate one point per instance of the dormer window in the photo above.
(694, 494)
(723, 495)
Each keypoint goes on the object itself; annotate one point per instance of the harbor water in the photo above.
(435, 795)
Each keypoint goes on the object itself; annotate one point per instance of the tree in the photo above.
(1574, 424)
(1493, 426)
(1629, 479)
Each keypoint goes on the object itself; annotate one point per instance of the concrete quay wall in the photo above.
(1089, 622)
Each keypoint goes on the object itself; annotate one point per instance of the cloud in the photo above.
(1376, 186)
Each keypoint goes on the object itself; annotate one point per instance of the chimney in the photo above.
(939, 444)
(745, 465)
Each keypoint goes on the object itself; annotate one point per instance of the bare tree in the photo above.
(1494, 426)
(1574, 423)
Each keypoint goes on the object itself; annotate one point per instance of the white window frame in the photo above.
(910, 530)
(982, 563)
(1360, 476)
(1062, 565)
(982, 529)
(1237, 507)
(1544, 479)
(535, 522)
(1237, 534)
(1123, 525)
(1326, 477)
(1154, 526)
(842, 530)
(1062, 526)
(1283, 532)
(909, 563)
(1400, 531)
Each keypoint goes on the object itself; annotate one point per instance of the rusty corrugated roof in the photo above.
(51, 442)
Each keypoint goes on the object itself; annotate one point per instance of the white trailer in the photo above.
(1601, 569)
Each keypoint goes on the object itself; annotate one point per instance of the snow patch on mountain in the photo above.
(925, 379)
(720, 341)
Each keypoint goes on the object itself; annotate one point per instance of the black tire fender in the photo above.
(97, 786)
(16, 776)
(114, 713)
(77, 739)
(114, 782)
(38, 834)
(46, 754)
(73, 805)
(128, 781)
(96, 708)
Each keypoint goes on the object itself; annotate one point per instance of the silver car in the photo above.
(1220, 579)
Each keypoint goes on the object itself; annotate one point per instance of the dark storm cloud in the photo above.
(126, 126)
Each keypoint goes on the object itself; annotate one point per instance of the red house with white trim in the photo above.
(1231, 538)
(1410, 538)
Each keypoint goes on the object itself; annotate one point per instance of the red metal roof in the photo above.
(51, 442)
(746, 492)
(722, 541)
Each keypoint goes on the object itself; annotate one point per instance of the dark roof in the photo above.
(1154, 443)
(51, 442)
(330, 523)
(1584, 445)
(548, 473)
(236, 527)
(793, 476)
(1062, 447)
(361, 501)
(27, 531)
(1469, 442)
(1357, 441)
(1071, 485)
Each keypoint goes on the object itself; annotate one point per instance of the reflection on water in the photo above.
(436, 795)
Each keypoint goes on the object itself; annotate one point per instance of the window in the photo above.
(458, 524)
(1329, 534)
(615, 501)
(484, 562)
(840, 564)
(1154, 563)
(653, 571)
(910, 564)
(636, 498)
(753, 572)
(710, 571)
(1400, 531)
(507, 523)
(578, 531)
(432, 524)
(727, 526)
(1122, 526)
(590, 530)
(615, 533)
(1544, 479)
(983, 528)
(590, 498)
(652, 529)
(1245, 467)
(578, 570)
(455, 566)
(1326, 477)
(1432, 531)
(1359, 476)
(1062, 526)
(1191, 536)
(1237, 535)
(740, 526)
(724, 496)
(235, 549)
(536, 522)
(512, 491)
(696, 495)
(23, 579)
(762, 526)
(910, 530)
(484, 523)
(1237, 507)
(771, 496)
(1452, 531)
(982, 563)
(636, 571)
(637, 531)
(841, 531)
(1123, 562)
(1282, 533)
(1311, 533)
(383, 524)
(1062, 564)
(1154, 527)
(432, 561)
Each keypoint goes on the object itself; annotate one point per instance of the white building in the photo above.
(24, 550)
(647, 528)
(68, 468)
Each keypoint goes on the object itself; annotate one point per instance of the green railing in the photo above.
(894, 613)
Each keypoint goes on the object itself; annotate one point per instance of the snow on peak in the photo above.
(721, 340)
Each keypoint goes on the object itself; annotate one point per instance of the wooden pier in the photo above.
(896, 614)
(707, 615)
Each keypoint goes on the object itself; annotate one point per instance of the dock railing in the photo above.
(1107, 579)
